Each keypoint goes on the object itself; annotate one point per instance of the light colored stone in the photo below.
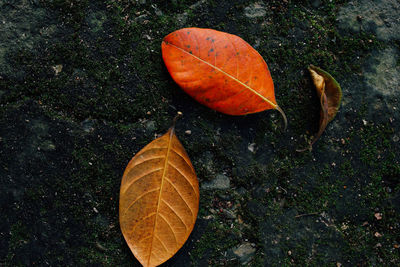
(255, 10)
(252, 147)
(219, 182)
(47, 146)
(197, 4)
(150, 126)
(244, 252)
(88, 125)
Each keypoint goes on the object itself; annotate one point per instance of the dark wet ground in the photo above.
(83, 87)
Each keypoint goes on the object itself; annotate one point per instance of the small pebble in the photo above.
(252, 147)
(57, 69)
(377, 234)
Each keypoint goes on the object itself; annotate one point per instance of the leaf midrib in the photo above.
(159, 195)
(225, 73)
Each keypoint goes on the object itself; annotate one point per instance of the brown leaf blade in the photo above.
(159, 200)
(330, 95)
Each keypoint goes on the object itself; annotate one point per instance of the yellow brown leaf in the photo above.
(159, 200)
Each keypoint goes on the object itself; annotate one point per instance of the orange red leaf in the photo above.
(219, 70)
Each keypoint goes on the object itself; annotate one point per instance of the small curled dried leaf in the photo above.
(330, 95)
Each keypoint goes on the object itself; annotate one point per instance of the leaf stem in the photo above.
(283, 115)
(178, 115)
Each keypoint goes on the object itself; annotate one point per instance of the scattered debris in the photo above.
(88, 125)
(252, 147)
(100, 247)
(57, 69)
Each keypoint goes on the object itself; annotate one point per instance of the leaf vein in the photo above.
(139, 197)
(142, 219)
(126, 187)
(176, 213)
(162, 243)
(169, 225)
(184, 158)
(184, 200)
(173, 166)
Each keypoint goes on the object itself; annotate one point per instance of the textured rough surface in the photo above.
(383, 73)
(380, 17)
(22, 25)
(67, 134)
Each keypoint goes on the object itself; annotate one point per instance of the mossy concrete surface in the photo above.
(83, 88)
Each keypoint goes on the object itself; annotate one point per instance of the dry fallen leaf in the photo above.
(330, 95)
(159, 200)
(220, 70)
